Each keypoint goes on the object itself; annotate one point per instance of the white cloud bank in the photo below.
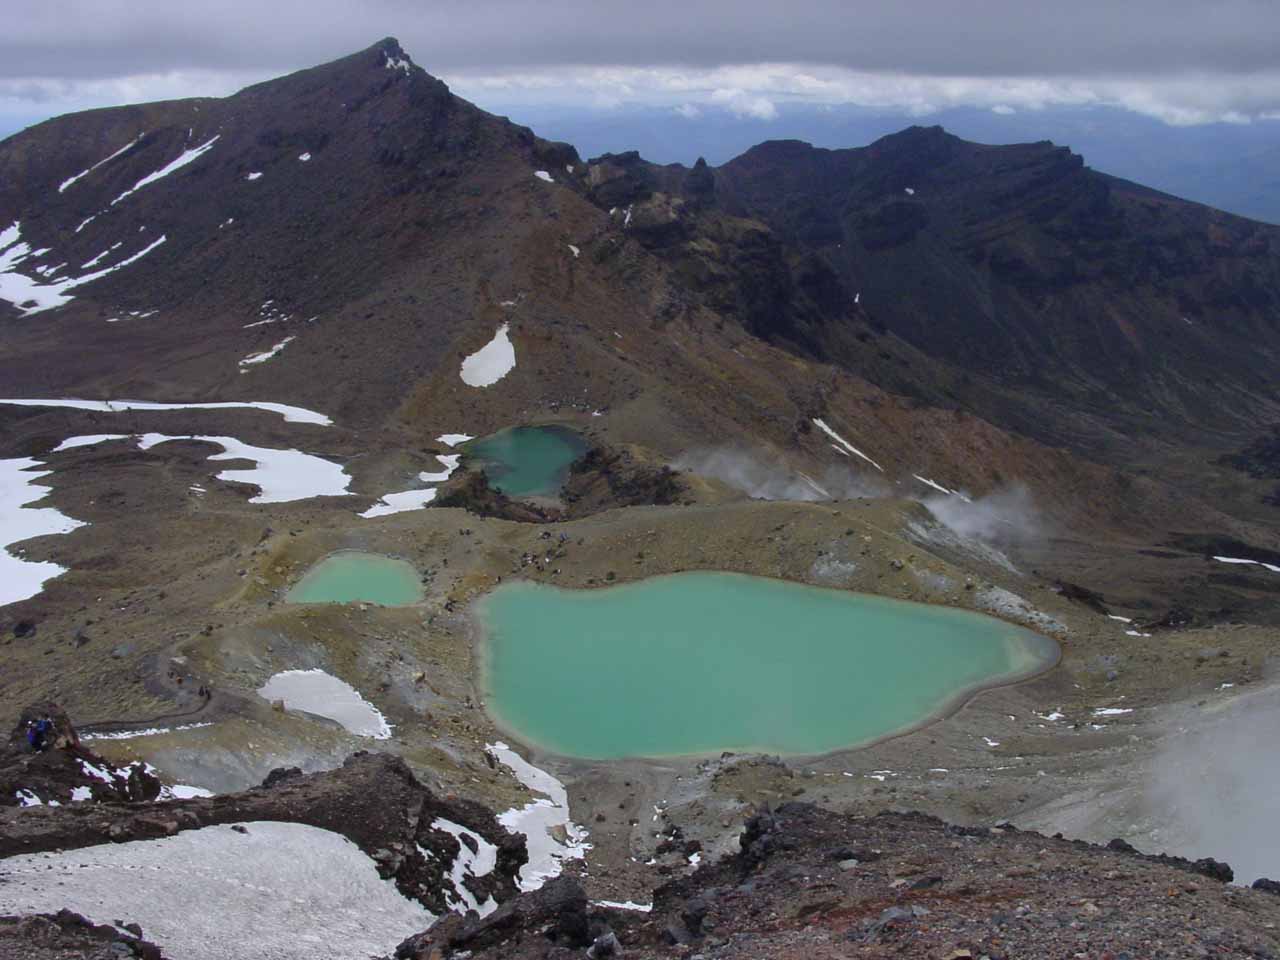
(761, 91)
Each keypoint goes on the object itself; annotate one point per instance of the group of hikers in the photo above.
(40, 734)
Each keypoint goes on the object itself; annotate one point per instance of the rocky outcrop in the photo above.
(58, 769)
(810, 883)
(55, 936)
(605, 477)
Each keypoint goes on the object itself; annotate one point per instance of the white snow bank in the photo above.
(845, 446)
(62, 187)
(102, 256)
(326, 696)
(491, 362)
(32, 296)
(187, 156)
(414, 499)
(255, 358)
(575, 251)
(148, 732)
(290, 414)
(254, 176)
(453, 439)
(930, 483)
(543, 175)
(304, 157)
(623, 905)
(1270, 566)
(400, 502)
(477, 863)
(397, 63)
(87, 441)
(183, 791)
(20, 578)
(538, 819)
(280, 475)
(279, 892)
(1112, 711)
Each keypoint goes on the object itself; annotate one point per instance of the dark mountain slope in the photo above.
(989, 277)
(399, 181)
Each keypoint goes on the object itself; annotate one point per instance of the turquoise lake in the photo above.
(351, 576)
(697, 663)
(527, 461)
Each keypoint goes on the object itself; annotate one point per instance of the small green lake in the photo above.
(697, 663)
(352, 576)
(527, 461)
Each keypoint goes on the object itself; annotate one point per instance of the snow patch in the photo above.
(255, 358)
(280, 475)
(186, 157)
(491, 362)
(21, 579)
(415, 499)
(62, 187)
(1270, 566)
(1112, 711)
(290, 414)
(930, 483)
(538, 819)
(575, 251)
(148, 732)
(304, 157)
(72, 443)
(845, 446)
(543, 175)
(256, 175)
(323, 694)
(453, 439)
(624, 905)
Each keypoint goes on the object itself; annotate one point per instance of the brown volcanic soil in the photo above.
(417, 229)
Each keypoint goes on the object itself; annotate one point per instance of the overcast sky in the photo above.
(1181, 61)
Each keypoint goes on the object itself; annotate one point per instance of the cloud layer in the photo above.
(1184, 61)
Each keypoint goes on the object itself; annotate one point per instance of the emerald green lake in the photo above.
(697, 663)
(528, 461)
(351, 576)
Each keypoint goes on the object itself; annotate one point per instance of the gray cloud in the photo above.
(1181, 60)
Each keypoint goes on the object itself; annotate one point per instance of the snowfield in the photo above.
(32, 296)
(19, 578)
(290, 414)
(540, 819)
(279, 475)
(491, 362)
(415, 499)
(281, 891)
(323, 694)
